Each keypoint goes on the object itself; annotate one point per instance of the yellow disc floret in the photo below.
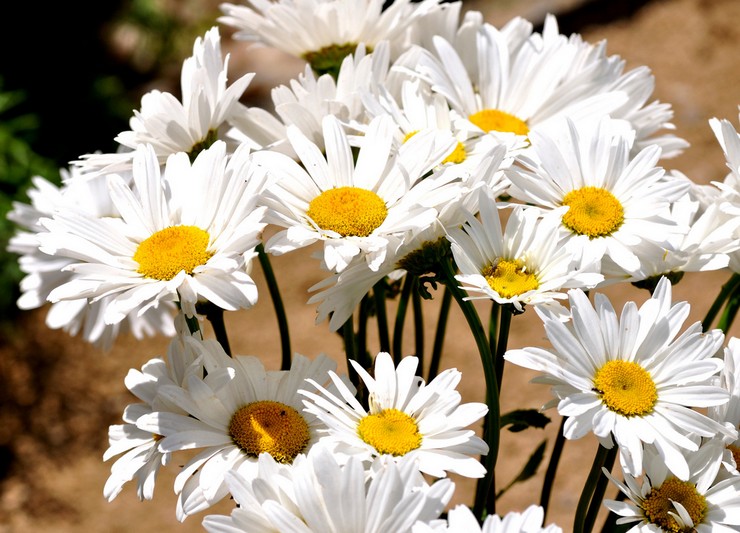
(390, 432)
(457, 155)
(167, 252)
(495, 120)
(593, 211)
(509, 278)
(350, 211)
(626, 388)
(660, 511)
(272, 427)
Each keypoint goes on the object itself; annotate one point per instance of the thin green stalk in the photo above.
(724, 294)
(382, 316)
(504, 327)
(598, 497)
(215, 316)
(493, 320)
(579, 525)
(439, 336)
(483, 505)
(362, 332)
(193, 325)
(552, 467)
(418, 326)
(403, 304)
(730, 312)
(348, 333)
(277, 303)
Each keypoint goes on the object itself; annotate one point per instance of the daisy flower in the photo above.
(204, 115)
(663, 502)
(461, 519)
(323, 32)
(354, 209)
(615, 202)
(631, 379)
(44, 272)
(186, 235)
(232, 415)
(141, 459)
(405, 416)
(525, 264)
(729, 413)
(318, 494)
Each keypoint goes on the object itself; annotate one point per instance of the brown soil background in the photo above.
(58, 395)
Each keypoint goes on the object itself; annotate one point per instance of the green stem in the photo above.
(483, 505)
(493, 320)
(403, 304)
(215, 316)
(552, 467)
(193, 325)
(362, 332)
(382, 316)
(418, 326)
(439, 336)
(503, 340)
(728, 316)
(601, 484)
(348, 333)
(277, 303)
(725, 292)
(579, 525)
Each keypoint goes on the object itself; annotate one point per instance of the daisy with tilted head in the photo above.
(141, 459)
(354, 209)
(205, 114)
(404, 416)
(461, 519)
(615, 202)
(631, 379)
(44, 272)
(660, 501)
(525, 264)
(232, 415)
(317, 494)
(185, 235)
(323, 32)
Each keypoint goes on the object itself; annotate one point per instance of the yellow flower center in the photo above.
(390, 432)
(593, 211)
(509, 278)
(495, 120)
(457, 156)
(328, 60)
(349, 211)
(626, 388)
(735, 451)
(164, 254)
(657, 505)
(272, 427)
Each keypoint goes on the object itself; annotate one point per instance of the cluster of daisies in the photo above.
(417, 138)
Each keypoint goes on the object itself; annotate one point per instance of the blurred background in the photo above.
(70, 77)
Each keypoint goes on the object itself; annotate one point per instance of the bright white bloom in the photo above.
(729, 413)
(208, 107)
(616, 202)
(318, 495)
(461, 519)
(525, 264)
(405, 416)
(631, 378)
(232, 415)
(184, 235)
(729, 140)
(355, 209)
(323, 32)
(663, 502)
(141, 459)
(46, 272)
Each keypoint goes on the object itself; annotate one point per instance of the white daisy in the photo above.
(317, 495)
(184, 235)
(631, 378)
(354, 209)
(461, 519)
(323, 32)
(405, 416)
(525, 264)
(208, 106)
(232, 415)
(44, 272)
(729, 140)
(141, 459)
(663, 502)
(616, 202)
(729, 413)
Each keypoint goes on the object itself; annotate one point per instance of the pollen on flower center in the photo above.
(457, 155)
(165, 253)
(350, 211)
(272, 427)
(390, 432)
(659, 509)
(495, 120)
(593, 211)
(509, 278)
(735, 451)
(328, 59)
(626, 388)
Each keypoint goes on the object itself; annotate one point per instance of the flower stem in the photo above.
(215, 316)
(439, 336)
(728, 289)
(580, 523)
(403, 303)
(382, 316)
(601, 484)
(503, 340)
(277, 303)
(418, 326)
(552, 467)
